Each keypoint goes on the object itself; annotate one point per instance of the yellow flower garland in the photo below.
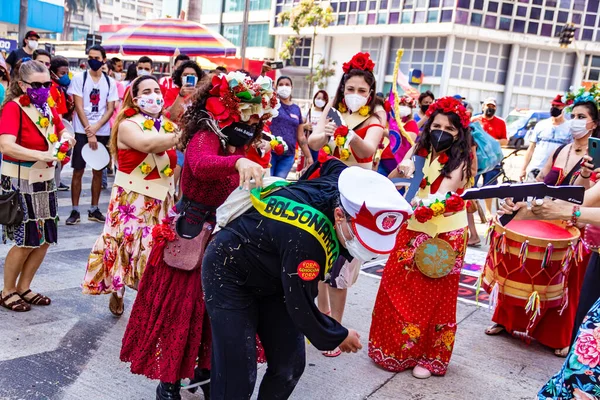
(51, 102)
(364, 110)
(148, 124)
(168, 126)
(52, 138)
(145, 168)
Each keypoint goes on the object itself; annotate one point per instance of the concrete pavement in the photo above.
(70, 350)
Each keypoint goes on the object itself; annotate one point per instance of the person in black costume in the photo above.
(260, 273)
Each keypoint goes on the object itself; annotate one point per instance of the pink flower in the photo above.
(128, 231)
(587, 350)
(410, 344)
(146, 231)
(117, 284)
(127, 213)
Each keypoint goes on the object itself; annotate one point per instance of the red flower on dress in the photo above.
(387, 106)
(454, 203)
(24, 100)
(360, 61)
(423, 183)
(130, 112)
(422, 152)
(341, 130)
(423, 214)
(279, 149)
(450, 105)
(443, 158)
(64, 147)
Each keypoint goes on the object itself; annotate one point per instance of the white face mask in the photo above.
(142, 72)
(578, 128)
(32, 44)
(151, 103)
(320, 103)
(405, 111)
(118, 76)
(355, 248)
(355, 101)
(284, 92)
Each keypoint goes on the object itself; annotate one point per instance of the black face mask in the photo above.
(238, 134)
(441, 140)
(555, 112)
(489, 112)
(424, 108)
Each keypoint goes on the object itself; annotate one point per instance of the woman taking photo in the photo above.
(425, 100)
(569, 165)
(29, 128)
(142, 143)
(288, 125)
(414, 319)
(168, 332)
(355, 143)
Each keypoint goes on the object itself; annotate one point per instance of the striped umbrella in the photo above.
(168, 37)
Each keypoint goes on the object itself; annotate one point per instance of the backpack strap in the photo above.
(85, 75)
(84, 79)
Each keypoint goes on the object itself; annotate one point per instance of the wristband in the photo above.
(180, 95)
(575, 215)
(585, 177)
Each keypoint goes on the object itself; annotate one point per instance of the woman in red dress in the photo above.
(168, 328)
(414, 319)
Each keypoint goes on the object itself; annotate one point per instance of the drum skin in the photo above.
(517, 280)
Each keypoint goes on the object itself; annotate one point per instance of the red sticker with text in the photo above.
(308, 270)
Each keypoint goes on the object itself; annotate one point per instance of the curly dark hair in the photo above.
(460, 151)
(187, 64)
(195, 119)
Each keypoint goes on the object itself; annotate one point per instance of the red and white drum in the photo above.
(529, 262)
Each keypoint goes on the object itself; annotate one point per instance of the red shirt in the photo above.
(130, 159)
(169, 90)
(31, 137)
(495, 127)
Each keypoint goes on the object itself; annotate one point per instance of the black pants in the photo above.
(237, 313)
(590, 292)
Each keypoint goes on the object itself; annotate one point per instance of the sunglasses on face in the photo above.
(37, 85)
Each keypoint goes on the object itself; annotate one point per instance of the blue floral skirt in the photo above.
(579, 377)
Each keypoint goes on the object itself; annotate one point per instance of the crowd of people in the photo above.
(234, 264)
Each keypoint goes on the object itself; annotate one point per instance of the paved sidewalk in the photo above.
(70, 350)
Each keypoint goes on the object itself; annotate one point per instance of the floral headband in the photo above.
(582, 95)
(407, 101)
(236, 97)
(450, 105)
(360, 61)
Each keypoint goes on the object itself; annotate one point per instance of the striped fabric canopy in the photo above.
(168, 37)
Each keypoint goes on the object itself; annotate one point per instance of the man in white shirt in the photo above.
(547, 136)
(94, 94)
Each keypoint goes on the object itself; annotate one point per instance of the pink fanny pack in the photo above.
(591, 237)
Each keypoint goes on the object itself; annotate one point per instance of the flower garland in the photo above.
(450, 105)
(278, 145)
(363, 111)
(60, 152)
(427, 209)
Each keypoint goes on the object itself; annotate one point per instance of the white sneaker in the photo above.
(420, 372)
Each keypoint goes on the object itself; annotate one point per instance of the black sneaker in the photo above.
(96, 215)
(74, 218)
(62, 187)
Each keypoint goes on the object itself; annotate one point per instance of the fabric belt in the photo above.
(157, 189)
(38, 172)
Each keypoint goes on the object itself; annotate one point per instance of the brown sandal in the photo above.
(18, 305)
(37, 299)
(115, 305)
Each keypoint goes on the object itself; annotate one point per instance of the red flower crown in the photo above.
(360, 61)
(450, 105)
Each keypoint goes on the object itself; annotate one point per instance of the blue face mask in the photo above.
(64, 80)
(95, 65)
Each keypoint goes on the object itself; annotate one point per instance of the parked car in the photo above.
(520, 123)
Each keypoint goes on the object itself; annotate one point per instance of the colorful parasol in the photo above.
(168, 37)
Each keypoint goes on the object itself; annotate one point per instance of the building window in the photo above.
(479, 61)
(238, 5)
(128, 6)
(544, 69)
(212, 6)
(302, 53)
(426, 54)
(77, 17)
(108, 2)
(592, 68)
(372, 45)
(258, 35)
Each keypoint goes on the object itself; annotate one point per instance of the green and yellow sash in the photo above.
(301, 216)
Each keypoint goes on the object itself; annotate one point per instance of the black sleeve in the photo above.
(11, 59)
(331, 167)
(324, 332)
